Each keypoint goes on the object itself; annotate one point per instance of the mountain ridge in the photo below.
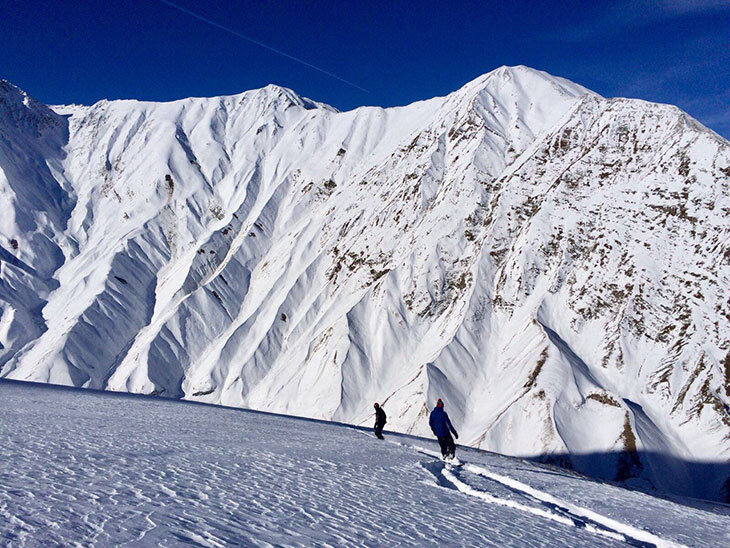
(550, 262)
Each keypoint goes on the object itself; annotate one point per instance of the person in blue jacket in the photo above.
(442, 429)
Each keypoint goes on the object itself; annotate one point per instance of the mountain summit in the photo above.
(553, 264)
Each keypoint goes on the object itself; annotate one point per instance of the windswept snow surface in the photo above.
(97, 469)
(554, 264)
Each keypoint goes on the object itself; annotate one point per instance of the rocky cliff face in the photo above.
(555, 265)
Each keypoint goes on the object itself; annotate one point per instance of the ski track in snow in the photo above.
(91, 469)
(582, 515)
(554, 508)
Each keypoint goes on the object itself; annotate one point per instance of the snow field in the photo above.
(83, 468)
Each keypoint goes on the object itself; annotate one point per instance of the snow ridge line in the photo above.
(578, 511)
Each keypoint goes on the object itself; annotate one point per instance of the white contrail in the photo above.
(260, 44)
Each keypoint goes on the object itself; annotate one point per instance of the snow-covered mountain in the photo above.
(555, 265)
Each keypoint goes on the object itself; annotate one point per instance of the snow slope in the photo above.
(554, 264)
(91, 468)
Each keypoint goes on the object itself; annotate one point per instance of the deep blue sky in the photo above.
(673, 51)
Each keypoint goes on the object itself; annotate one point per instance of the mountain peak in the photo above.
(9, 92)
(287, 96)
(20, 111)
(515, 105)
(525, 80)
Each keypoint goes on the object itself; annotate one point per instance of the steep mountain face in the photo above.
(555, 265)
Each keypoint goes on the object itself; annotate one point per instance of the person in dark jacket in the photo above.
(442, 429)
(379, 421)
